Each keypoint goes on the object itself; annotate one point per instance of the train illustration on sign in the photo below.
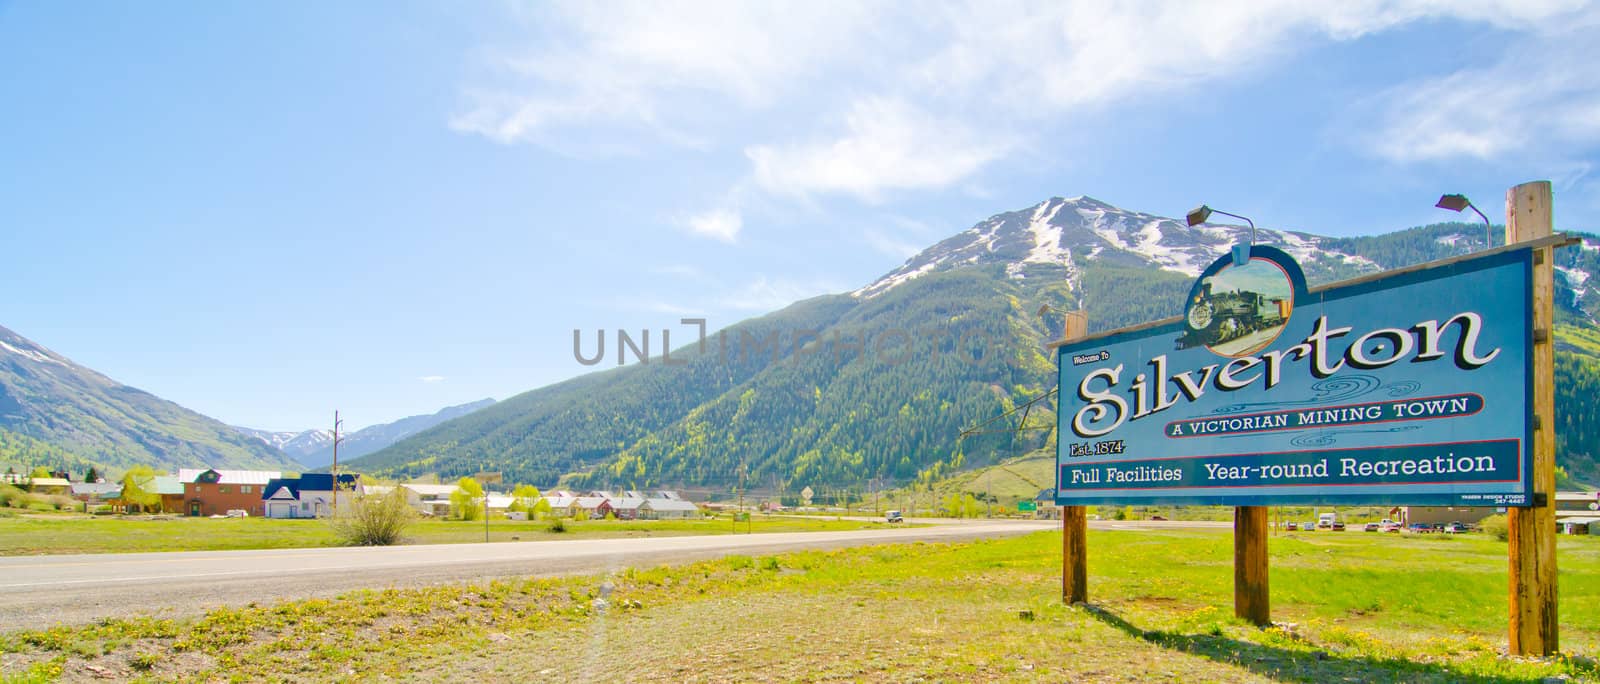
(1216, 318)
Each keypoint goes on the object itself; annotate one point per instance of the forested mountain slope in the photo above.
(888, 375)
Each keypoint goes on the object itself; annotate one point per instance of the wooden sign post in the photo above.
(1074, 520)
(1532, 542)
(1250, 598)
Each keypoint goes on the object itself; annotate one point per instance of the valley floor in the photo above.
(1362, 608)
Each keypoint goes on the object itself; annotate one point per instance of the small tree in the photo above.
(138, 488)
(1497, 526)
(92, 475)
(465, 498)
(39, 471)
(524, 497)
(376, 520)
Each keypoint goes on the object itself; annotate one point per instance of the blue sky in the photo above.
(267, 211)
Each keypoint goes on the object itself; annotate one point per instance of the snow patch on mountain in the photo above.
(31, 354)
(1066, 232)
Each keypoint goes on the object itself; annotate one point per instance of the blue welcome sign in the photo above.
(1408, 387)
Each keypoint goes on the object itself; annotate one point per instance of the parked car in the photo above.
(894, 517)
(1158, 517)
(1419, 528)
(1291, 526)
(1308, 526)
(1391, 526)
(1338, 526)
(1372, 527)
(238, 513)
(1455, 528)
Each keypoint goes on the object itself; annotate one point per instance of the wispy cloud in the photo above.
(877, 100)
(431, 379)
(1537, 100)
(718, 224)
(887, 144)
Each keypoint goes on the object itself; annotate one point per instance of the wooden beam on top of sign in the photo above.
(1074, 519)
(1251, 601)
(1532, 547)
(1554, 240)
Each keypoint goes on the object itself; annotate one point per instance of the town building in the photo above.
(215, 492)
(309, 496)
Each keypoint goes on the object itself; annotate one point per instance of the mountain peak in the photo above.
(1051, 237)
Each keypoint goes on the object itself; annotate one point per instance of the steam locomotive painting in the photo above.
(1215, 319)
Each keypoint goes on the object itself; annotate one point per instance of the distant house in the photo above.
(49, 485)
(630, 506)
(427, 499)
(1579, 525)
(670, 509)
(1583, 502)
(561, 503)
(593, 507)
(171, 490)
(308, 496)
(215, 492)
(1045, 507)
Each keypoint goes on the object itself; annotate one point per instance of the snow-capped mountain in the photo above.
(375, 437)
(1055, 231)
(314, 448)
(297, 445)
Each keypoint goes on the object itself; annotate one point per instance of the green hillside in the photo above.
(54, 412)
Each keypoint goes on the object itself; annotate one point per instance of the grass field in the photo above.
(60, 533)
(1362, 608)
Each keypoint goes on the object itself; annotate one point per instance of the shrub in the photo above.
(11, 496)
(557, 525)
(375, 520)
(1497, 525)
(144, 662)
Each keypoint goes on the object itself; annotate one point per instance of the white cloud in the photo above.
(888, 144)
(717, 224)
(872, 100)
(649, 68)
(430, 379)
(1540, 99)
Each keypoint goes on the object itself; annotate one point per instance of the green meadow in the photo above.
(62, 533)
(1351, 607)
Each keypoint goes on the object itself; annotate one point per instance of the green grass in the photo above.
(61, 534)
(1364, 608)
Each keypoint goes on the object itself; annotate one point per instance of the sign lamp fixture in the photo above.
(1459, 202)
(1241, 251)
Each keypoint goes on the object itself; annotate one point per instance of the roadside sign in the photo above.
(1026, 506)
(1410, 387)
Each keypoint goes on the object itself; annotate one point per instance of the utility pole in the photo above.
(336, 424)
(988, 492)
(741, 501)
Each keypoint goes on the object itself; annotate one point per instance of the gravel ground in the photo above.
(43, 591)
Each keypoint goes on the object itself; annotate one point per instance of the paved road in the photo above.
(42, 590)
